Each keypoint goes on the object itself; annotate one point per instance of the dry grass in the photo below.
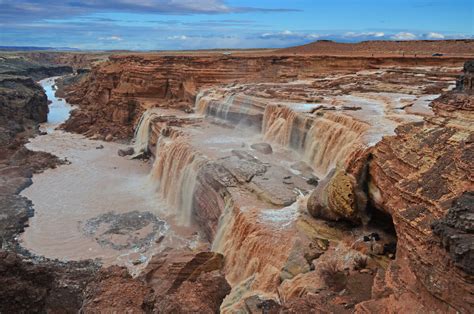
(331, 274)
(360, 262)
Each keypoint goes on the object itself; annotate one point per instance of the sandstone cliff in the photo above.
(423, 178)
(116, 92)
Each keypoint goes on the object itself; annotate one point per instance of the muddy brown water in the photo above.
(99, 205)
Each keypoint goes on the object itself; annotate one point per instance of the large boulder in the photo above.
(263, 148)
(338, 197)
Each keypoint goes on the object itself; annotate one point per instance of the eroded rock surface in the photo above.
(420, 177)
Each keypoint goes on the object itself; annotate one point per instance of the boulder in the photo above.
(338, 197)
(126, 152)
(109, 137)
(263, 148)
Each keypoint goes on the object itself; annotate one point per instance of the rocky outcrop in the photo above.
(26, 286)
(420, 177)
(466, 82)
(187, 282)
(22, 104)
(24, 66)
(114, 290)
(203, 295)
(456, 231)
(174, 281)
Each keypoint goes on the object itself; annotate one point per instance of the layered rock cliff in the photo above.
(118, 91)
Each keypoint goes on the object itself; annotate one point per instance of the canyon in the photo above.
(272, 181)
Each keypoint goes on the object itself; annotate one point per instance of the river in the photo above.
(96, 206)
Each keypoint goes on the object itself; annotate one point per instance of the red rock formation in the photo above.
(117, 92)
(185, 282)
(173, 282)
(114, 290)
(416, 176)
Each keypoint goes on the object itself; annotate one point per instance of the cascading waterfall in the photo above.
(142, 132)
(218, 109)
(175, 172)
(200, 105)
(278, 124)
(330, 139)
(323, 141)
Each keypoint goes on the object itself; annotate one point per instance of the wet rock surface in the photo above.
(264, 148)
(124, 231)
(125, 152)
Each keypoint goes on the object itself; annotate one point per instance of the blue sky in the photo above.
(197, 24)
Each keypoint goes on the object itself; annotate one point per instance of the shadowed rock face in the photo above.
(28, 287)
(22, 104)
(466, 82)
(456, 231)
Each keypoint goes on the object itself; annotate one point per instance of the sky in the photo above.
(207, 24)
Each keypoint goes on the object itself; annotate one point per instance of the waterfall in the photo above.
(225, 220)
(175, 173)
(238, 109)
(142, 132)
(278, 124)
(200, 105)
(218, 109)
(330, 139)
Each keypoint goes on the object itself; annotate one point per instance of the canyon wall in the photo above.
(28, 284)
(116, 92)
(423, 177)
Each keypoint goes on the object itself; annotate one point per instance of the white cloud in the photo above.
(365, 34)
(433, 35)
(178, 37)
(111, 38)
(404, 36)
(289, 35)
